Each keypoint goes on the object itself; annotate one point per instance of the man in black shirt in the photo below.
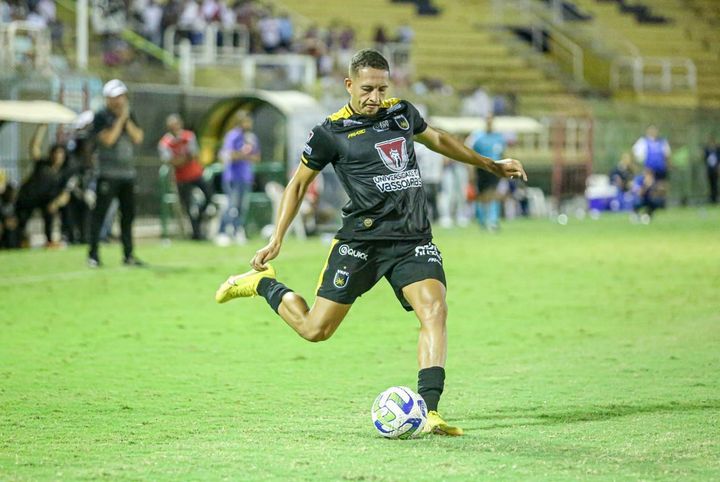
(116, 133)
(385, 231)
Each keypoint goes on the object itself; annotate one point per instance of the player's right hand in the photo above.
(263, 255)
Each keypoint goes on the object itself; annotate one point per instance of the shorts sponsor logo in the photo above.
(346, 250)
(393, 154)
(356, 133)
(399, 181)
(381, 126)
(402, 122)
(429, 250)
(341, 278)
(307, 150)
(310, 136)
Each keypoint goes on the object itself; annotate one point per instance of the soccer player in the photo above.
(385, 231)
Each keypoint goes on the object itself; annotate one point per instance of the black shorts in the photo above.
(353, 267)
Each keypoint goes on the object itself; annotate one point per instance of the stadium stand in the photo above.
(472, 47)
(690, 32)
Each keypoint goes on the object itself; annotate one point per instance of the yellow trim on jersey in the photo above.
(327, 261)
(387, 103)
(343, 113)
(347, 111)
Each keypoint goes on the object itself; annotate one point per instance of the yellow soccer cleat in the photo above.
(435, 424)
(242, 285)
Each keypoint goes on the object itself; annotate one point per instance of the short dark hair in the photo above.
(367, 58)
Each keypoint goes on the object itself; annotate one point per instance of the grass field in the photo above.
(590, 350)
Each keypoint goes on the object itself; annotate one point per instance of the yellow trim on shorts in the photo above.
(327, 261)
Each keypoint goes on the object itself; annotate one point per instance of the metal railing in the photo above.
(567, 51)
(653, 74)
(234, 43)
(293, 70)
(24, 44)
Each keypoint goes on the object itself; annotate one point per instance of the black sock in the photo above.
(431, 382)
(272, 290)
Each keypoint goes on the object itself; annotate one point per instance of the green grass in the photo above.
(581, 351)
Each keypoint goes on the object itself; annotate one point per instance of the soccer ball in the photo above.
(398, 412)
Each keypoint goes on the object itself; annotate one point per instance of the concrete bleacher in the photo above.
(691, 32)
(462, 46)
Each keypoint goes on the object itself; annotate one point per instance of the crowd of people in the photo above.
(266, 29)
(65, 186)
(88, 176)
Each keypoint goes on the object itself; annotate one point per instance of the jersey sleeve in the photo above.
(319, 150)
(416, 120)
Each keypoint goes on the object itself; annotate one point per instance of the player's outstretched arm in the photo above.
(447, 145)
(289, 205)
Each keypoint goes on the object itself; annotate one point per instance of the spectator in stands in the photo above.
(380, 38)
(405, 34)
(191, 23)
(270, 36)
(285, 26)
(239, 152)
(477, 103)
(492, 145)
(711, 155)
(210, 10)
(431, 170)
(152, 16)
(116, 132)
(179, 147)
(8, 219)
(653, 152)
(43, 189)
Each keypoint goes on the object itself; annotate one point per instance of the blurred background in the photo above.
(573, 86)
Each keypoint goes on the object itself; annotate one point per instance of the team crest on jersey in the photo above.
(393, 154)
(341, 278)
(402, 122)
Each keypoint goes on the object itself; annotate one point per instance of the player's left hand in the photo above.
(510, 168)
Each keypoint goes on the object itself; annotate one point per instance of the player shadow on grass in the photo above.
(590, 414)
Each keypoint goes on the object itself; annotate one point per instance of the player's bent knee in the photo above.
(317, 335)
(434, 312)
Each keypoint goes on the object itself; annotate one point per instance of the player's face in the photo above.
(367, 90)
(116, 104)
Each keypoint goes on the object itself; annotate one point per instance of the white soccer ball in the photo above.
(398, 412)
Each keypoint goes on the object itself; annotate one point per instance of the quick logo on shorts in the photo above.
(341, 278)
(429, 250)
(346, 250)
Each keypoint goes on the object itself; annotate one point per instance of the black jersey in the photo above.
(374, 158)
